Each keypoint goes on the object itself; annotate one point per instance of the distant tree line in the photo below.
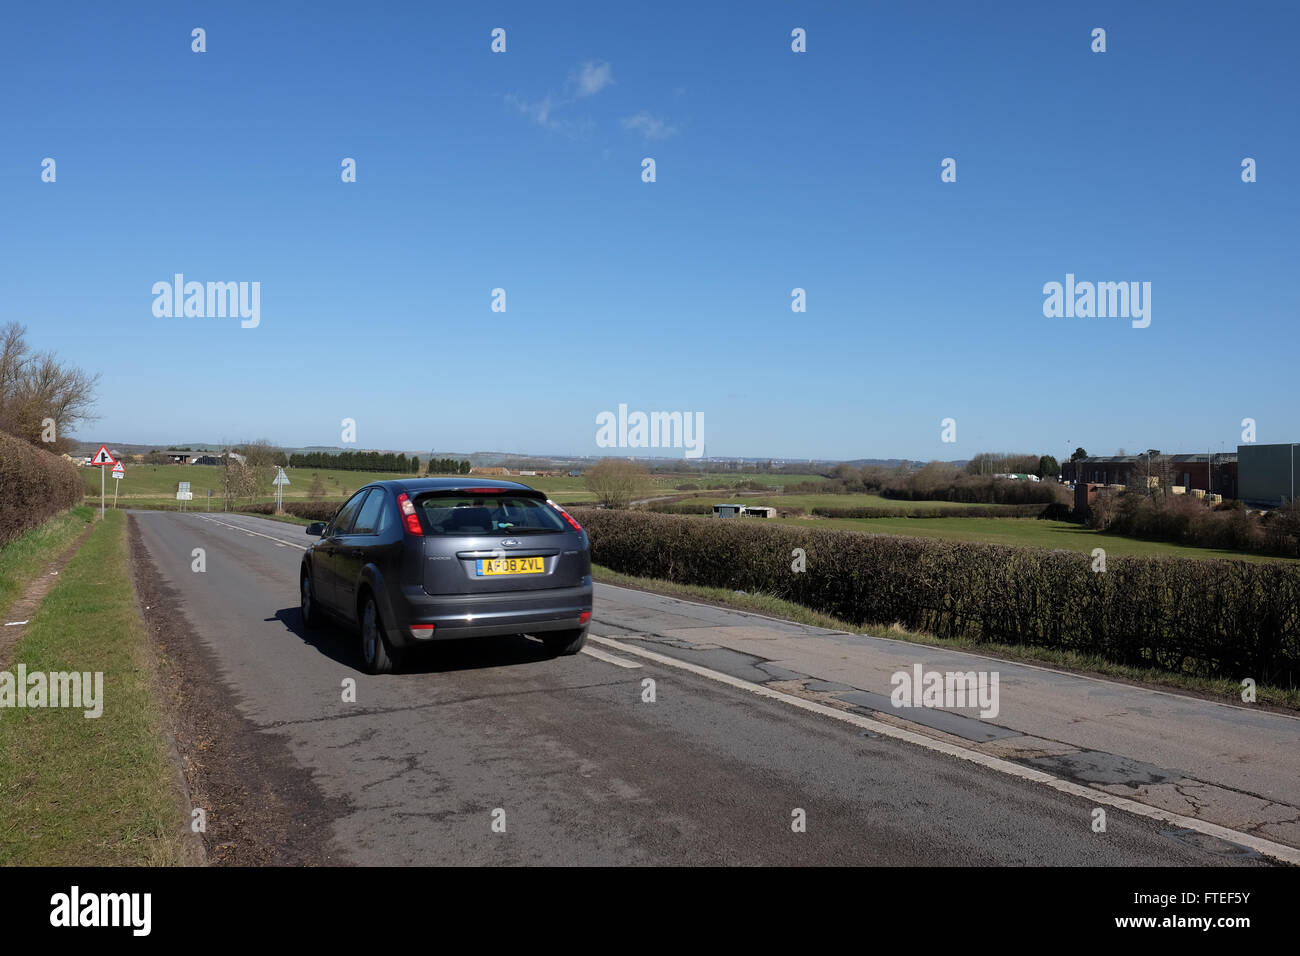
(354, 461)
(942, 481)
(447, 466)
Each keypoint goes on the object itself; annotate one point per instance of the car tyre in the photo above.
(377, 655)
(564, 643)
(307, 600)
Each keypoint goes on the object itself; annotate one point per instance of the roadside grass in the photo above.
(26, 557)
(1225, 690)
(90, 792)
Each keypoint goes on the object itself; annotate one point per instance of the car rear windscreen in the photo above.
(505, 513)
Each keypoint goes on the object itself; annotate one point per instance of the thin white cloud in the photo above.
(594, 77)
(539, 111)
(649, 126)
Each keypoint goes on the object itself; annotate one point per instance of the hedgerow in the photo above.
(1213, 618)
(35, 485)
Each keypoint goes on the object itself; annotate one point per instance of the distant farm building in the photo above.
(746, 511)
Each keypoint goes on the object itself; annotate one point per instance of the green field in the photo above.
(154, 486)
(808, 502)
(730, 478)
(1016, 532)
(159, 481)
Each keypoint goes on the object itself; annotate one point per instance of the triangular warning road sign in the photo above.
(118, 470)
(102, 457)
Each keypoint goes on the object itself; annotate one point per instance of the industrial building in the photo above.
(1268, 477)
(1209, 472)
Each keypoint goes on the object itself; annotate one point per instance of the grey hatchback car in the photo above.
(409, 562)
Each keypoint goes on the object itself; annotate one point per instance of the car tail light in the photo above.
(421, 630)
(565, 515)
(481, 491)
(584, 617)
(409, 517)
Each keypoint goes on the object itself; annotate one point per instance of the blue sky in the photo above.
(775, 170)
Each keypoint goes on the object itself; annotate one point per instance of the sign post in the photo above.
(183, 493)
(281, 479)
(102, 458)
(118, 474)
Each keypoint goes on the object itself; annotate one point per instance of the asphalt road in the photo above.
(577, 764)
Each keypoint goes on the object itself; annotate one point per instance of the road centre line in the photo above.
(300, 547)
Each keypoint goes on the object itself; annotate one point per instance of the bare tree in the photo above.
(260, 458)
(616, 481)
(36, 389)
(237, 481)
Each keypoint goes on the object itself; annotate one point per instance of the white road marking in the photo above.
(13, 623)
(609, 658)
(258, 534)
(1267, 847)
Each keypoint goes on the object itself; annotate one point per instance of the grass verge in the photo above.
(77, 791)
(1223, 690)
(22, 559)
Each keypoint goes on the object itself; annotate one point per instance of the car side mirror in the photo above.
(316, 528)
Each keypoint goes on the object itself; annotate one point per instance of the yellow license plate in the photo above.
(488, 566)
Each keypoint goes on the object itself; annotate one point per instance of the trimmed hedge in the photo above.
(35, 485)
(311, 510)
(687, 508)
(1212, 618)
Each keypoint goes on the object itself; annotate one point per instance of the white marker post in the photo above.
(281, 479)
(118, 474)
(102, 458)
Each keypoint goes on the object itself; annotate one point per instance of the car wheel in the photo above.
(376, 656)
(564, 643)
(310, 613)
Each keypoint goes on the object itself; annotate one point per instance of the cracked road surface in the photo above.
(582, 770)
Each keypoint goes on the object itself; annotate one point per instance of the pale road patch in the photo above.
(609, 658)
(1268, 848)
(982, 655)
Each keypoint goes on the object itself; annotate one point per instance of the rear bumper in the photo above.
(458, 616)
